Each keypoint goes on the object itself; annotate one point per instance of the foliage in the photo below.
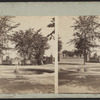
(71, 53)
(64, 52)
(6, 26)
(68, 53)
(86, 32)
(30, 43)
(51, 25)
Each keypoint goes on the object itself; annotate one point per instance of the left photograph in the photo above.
(27, 54)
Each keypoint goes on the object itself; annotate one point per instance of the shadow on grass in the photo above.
(91, 82)
(69, 63)
(38, 71)
(24, 87)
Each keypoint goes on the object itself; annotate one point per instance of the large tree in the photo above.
(30, 43)
(6, 26)
(86, 32)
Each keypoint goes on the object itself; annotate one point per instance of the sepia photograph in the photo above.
(49, 49)
(79, 54)
(27, 54)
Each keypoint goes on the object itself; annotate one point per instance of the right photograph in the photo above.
(79, 54)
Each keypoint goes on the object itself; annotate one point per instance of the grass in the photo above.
(72, 81)
(30, 79)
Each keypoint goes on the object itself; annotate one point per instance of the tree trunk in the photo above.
(84, 56)
(84, 59)
(58, 57)
(40, 60)
(24, 60)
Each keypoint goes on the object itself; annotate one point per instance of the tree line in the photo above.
(71, 53)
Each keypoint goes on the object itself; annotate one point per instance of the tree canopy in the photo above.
(30, 44)
(86, 32)
(6, 26)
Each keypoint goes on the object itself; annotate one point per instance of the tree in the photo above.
(77, 53)
(40, 45)
(30, 44)
(64, 52)
(86, 33)
(59, 47)
(51, 25)
(6, 26)
(69, 53)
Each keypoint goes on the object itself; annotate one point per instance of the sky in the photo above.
(36, 22)
(66, 33)
(65, 30)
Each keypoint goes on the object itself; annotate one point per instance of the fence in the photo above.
(71, 59)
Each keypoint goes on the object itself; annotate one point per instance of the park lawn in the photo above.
(72, 81)
(30, 79)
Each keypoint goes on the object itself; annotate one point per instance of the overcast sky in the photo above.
(66, 31)
(36, 22)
